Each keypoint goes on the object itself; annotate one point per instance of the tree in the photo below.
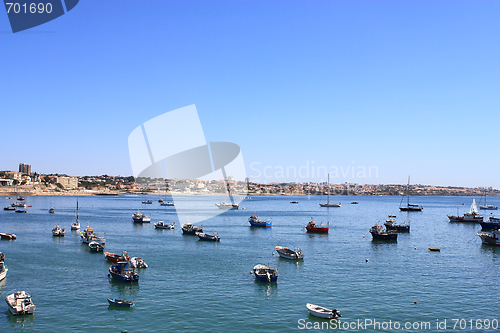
(15, 182)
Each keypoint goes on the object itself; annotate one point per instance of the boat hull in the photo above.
(289, 254)
(317, 230)
(121, 303)
(490, 238)
(261, 223)
(123, 278)
(321, 312)
(330, 205)
(384, 236)
(4, 273)
(489, 225)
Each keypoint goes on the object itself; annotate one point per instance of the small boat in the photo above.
(147, 202)
(52, 210)
(390, 224)
(168, 203)
(319, 311)
(120, 302)
(313, 228)
(117, 257)
(294, 202)
(9, 208)
(88, 235)
(163, 225)
(76, 225)
(255, 222)
(485, 206)
(20, 303)
(18, 204)
(141, 218)
(471, 216)
(265, 273)
(3, 267)
(190, 229)
(160, 200)
(227, 205)
(379, 234)
(409, 207)
(24, 211)
(58, 231)
(96, 246)
(328, 204)
(492, 223)
(286, 253)
(490, 238)
(7, 236)
(136, 262)
(434, 249)
(354, 203)
(20, 198)
(206, 237)
(122, 272)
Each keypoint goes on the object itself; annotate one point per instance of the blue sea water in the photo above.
(195, 286)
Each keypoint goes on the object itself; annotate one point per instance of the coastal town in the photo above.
(27, 182)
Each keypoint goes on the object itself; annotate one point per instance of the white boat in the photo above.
(76, 225)
(491, 238)
(88, 235)
(20, 303)
(18, 204)
(328, 204)
(167, 203)
(485, 206)
(471, 216)
(286, 253)
(3, 268)
(136, 262)
(322, 312)
(162, 225)
(58, 231)
(225, 204)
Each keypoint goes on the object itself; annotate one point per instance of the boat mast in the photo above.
(227, 185)
(76, 215)
(328, 189)
(408, 193)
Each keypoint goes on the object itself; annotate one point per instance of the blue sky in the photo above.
(408, 87)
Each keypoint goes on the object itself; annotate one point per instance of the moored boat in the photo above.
(492, 223)
(314, 228)
(486, 206)
(141, 218)
(120, 302)
(3, 267)
(136, 262)
(21, 211)
(52, 210)
(18, 204)
(265, 273)
(379, 234)
(490, 238)
(20, 303)
(471, 216)
(7, 236)
(286, 253)
(76, 225)
(58, 231)
(190, 229)
(255, 222)
(321, 312)
(147, 202)
(206, 237)
(328, 203)
(390, 224)
(163, 225)
(167, 203)
(88, 235)
(95, 246)
(9, 208)
(117, 257)
(122, 272)
(409, 207)
(20, 198)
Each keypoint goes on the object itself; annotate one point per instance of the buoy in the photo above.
(251, 272)
(415, 247)
(363, 236)
(415, 302)
(273, 253)
(366, 260)
(109, 275)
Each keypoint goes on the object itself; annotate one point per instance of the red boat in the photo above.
(117, 257)
(7, 236)
(312, 227)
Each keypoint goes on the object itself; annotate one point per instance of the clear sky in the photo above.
(404, 87)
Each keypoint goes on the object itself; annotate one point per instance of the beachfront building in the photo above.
(67, 182)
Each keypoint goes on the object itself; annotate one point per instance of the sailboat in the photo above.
(51, 209)
(485, 206)
(328, 204)
(409, 207)
(76, 225)
(225, 204)
(471, 216)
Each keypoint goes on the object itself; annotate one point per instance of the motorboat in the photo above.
(120, 302)
(58, 231)
(95, 246)
(19, 204)
(390, 224)
(492, 223)
(286, 253)
(265, 273)
(163, 225)
(206, 237)
(190, 229)
(20, 303)
(122, 272)
(255, 222)
(20, 198)
(321, 312)
(7, 236)
(88, 235)
(490, 238)
(227, 205)
(167, 203)
(147, 202)
(136, 262)
(379, 234)
(3, 267)
(314, 228)
(141, 218)
(117, 257)
(9, 208)
(24, 211)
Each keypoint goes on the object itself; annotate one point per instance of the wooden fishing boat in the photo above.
(206, 237)
(319, 311)
(120, 302)
(190, 229)
(312, 227)
(122, 272)
(117, 257)
(286, 253)
(58, 231)
(265, 273)
(379, 234)
(3, 267)
(20, 303)
(95, 246)
(255, 222)
(7, 236)
(141, 218)
(390, 224)
(163, 225)
(435, 249)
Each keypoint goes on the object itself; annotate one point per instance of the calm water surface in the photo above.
(193, 286)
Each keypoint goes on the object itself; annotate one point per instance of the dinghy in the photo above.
(319, 311)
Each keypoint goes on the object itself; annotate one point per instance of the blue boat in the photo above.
(492, 223)
(255, 222)
(190, 229)
(265, 273)
(120, 302)
(122, 272)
